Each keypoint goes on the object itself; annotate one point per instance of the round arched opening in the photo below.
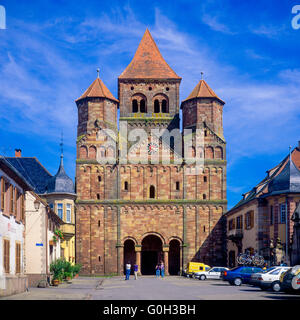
(152, 254)
(129, 254)
(174, 257)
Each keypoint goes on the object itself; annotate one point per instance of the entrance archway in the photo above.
(151, 254)
(129, 253)
(174, 257)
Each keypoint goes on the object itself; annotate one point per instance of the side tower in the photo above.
(203, 110)
(97, 111)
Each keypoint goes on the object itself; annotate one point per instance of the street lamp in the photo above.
(36, 205)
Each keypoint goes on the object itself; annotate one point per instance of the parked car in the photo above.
(290, 280)
(213, 273)
(269, 278)
(240, 275)
(193, 267)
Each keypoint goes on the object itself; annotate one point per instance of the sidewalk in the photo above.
(80, 289)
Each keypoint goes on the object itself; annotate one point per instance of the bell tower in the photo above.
(149, 89)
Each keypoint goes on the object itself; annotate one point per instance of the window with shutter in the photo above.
(6, 261)
(251, 219)
(2, 194)
(22, 208)
(18, 258)
(15, 201)
(11, 196)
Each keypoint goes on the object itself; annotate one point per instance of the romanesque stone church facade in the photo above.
(140, 211)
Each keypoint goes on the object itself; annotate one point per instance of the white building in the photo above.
(40, 248)
(12, 229)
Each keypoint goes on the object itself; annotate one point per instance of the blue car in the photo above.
(239, 275)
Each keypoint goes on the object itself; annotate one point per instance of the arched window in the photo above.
(164, 106)
(204, 196)
(177, 186)
(152, 192)
(92, 152)
(135, 107)
(209, 153)
(143, 106)
(219, 153)
(83, 152)
(156, 106)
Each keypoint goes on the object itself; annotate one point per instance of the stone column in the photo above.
(181, 262)
(166, 259)
(120, 252)
(138, 250)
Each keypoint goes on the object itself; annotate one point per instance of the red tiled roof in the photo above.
(148, 62)
(98, 90)
(202, 90)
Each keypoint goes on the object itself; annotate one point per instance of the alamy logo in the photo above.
(296, 19)
(2, 17)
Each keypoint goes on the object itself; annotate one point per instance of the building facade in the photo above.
(40, 248)
(140, 211)
(59, 193)
(262, 221)
(13, 187)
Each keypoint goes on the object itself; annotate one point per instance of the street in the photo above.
(148, 288)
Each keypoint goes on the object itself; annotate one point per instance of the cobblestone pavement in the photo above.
(148, 288)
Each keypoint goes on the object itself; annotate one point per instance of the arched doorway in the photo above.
(151, 254)
(174, 257)
(129, 253)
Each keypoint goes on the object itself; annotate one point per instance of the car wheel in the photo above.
(276, 286)
(202, 277)
(237, 281)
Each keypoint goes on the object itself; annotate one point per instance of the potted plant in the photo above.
(76, 268)
(68, 270)
(57, 235)
(57, 269)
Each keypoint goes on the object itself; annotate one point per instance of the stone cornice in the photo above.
(153, 201)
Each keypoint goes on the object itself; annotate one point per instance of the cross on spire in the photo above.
(62, 144)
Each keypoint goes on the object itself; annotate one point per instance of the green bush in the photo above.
(57, 269)
(76, 268)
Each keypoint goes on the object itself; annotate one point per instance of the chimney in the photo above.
(18, 153)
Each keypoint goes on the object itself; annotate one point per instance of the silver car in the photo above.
(213, 273)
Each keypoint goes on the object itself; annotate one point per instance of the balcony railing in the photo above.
(235, 234)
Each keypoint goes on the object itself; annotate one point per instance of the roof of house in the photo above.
(148, 63)
(282, 179)
(32, 170)
(202, 90)
(39, 177)
(98, 90)
(20, 178)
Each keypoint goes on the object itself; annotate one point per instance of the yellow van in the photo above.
(193, 267)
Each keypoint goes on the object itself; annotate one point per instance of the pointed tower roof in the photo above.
(203, 90)
(148, 63)
(61, 182)
(98, 90)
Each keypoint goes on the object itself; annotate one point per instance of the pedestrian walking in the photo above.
(135, 269)
(128, 269)
(157, 271)
(162, 269)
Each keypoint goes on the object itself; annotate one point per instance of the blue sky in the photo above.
(248, 51)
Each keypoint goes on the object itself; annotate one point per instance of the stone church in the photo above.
(142, 211)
